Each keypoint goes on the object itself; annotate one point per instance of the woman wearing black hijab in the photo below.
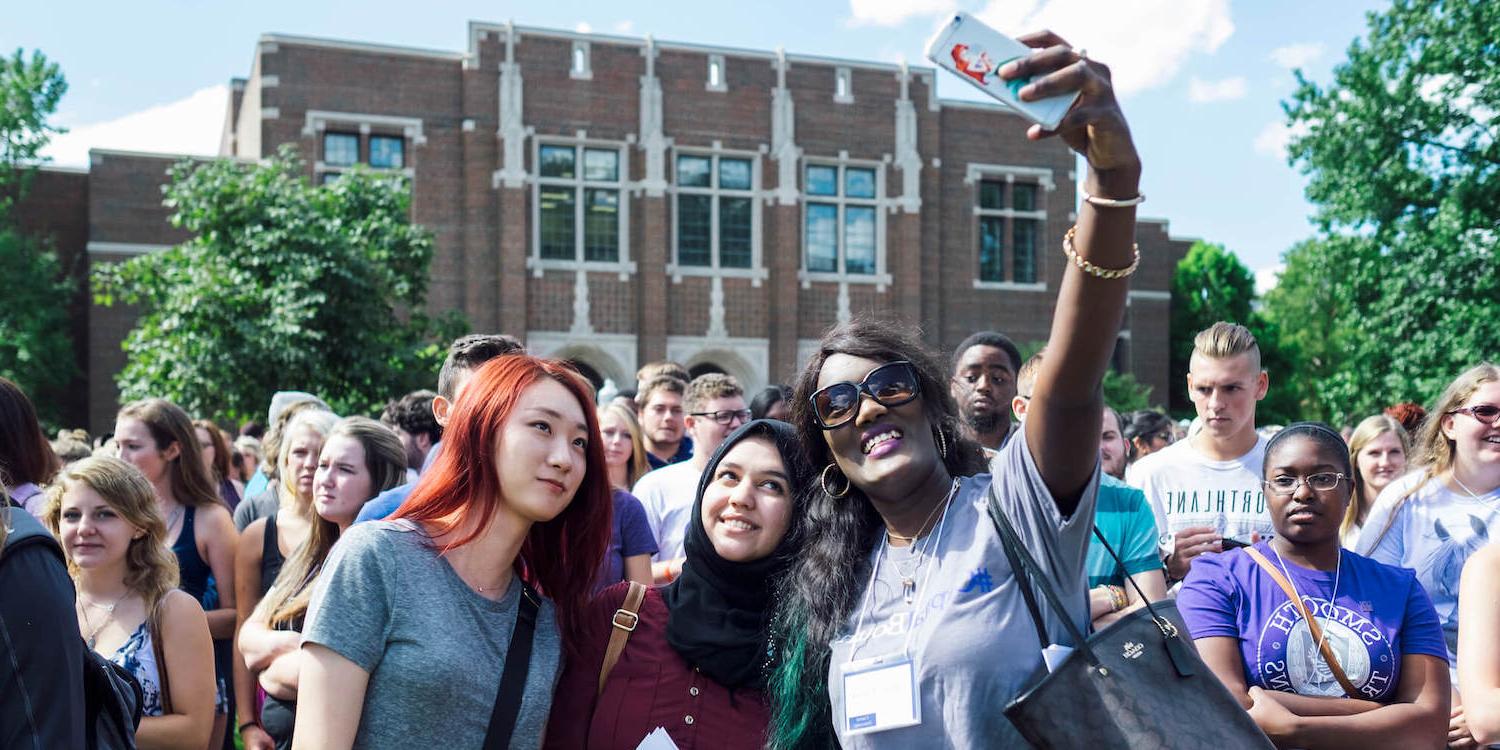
(694, 660)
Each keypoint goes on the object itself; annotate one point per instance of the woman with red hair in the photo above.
(408, 637)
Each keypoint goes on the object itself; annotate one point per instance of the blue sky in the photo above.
(1201, 79)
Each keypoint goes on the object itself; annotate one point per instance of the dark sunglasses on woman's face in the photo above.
(1484, 413)
(890, 384)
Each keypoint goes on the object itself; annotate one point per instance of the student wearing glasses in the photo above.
(898, 556)
(1434, 518)
(1147, 431)
(715, 406)
(1324, 647)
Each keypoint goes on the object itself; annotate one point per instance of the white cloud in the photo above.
(1297, 55)
(1274, 137)
(1228, 89)
(895, 12)
(191, 125)
(624, 27)
(584, 27)
(1145, 42)
(1265, 278)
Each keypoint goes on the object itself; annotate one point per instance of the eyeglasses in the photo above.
(1164, 435)
(724, 416)
(1484, 413)
(890, 384)
(1321, 482)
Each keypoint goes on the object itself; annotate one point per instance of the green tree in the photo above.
(284, 285)
(1404, 169)
(36, 350)
(29, 93)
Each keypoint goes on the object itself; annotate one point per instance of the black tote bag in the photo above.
(1138, 683)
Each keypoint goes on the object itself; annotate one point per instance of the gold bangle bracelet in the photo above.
(1096, 271)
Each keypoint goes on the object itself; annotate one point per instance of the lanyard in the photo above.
(917, 606)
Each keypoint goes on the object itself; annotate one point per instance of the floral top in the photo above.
(139, 659)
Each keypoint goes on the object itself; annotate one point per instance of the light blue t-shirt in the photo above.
(1125, 519)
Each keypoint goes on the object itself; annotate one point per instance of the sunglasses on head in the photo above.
(890, 384)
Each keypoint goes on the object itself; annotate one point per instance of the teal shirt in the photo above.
(1126, 520)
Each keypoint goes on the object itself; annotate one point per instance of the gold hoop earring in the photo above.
(942, 444)
(824, 481)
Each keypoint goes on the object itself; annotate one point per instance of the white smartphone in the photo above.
(974, 52)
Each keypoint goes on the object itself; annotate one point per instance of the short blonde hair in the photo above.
(1026, 378)
(710, 386)
(1224, 340)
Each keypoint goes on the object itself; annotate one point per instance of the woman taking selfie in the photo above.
(694, 663)
(360, 459)
(1361, 660)
(631, 544)
(897, 526)
(129, 608)
(406, 638)
(1378, 450)
(157, 437)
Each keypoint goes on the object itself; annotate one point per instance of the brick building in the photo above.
(618, 200)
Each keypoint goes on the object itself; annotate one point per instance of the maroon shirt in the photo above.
(651, 686)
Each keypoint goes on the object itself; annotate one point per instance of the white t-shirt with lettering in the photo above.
(1186, 488)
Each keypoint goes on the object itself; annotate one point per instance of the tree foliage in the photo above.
(29, 92)
(1121, 390)
(36, 350)
(284, 285)
(1403, 165)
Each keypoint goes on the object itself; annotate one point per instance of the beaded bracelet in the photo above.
(1096, 271)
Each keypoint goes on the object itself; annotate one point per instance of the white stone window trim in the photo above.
(977, 173)
(320, 121)
(757, 271)
(580, 62)
(534, 261)
(881, 278)
(716, 76)
(843, 85)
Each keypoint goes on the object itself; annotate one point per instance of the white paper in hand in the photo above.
(657, 740)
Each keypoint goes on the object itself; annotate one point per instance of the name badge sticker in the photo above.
(880, 694)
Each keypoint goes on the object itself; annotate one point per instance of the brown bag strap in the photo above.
(624, 622)
(1312, 623)
(165, 687)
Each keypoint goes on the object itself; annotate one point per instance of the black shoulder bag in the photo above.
(1138, 683)
(513, 675)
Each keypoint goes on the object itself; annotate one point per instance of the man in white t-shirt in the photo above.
(715, 405)
(1207, 489)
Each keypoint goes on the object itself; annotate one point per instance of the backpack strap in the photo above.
(1312, 622)
(624, 622)
(508, 698)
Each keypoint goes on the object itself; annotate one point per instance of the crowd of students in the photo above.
(504, 562)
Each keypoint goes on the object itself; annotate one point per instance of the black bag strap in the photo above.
(513, 675)
(1030, 576)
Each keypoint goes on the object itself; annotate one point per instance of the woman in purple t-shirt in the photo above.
(1377, 619)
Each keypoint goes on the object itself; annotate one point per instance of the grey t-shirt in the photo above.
(434, 648)
(252, 508)
(974, 646)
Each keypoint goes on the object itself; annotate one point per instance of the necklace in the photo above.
(109, 615)
(172, 519)
(919, 556)
(1454, 476)
(909, 539)
(1332, 597)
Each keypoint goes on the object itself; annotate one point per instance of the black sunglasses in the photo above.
(890, 384)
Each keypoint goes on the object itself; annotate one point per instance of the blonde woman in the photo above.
(631, 543)
(1377, 450)
(269, 542)
(157, 437)
(360, 459)
(129, 607)
(1432, 520)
